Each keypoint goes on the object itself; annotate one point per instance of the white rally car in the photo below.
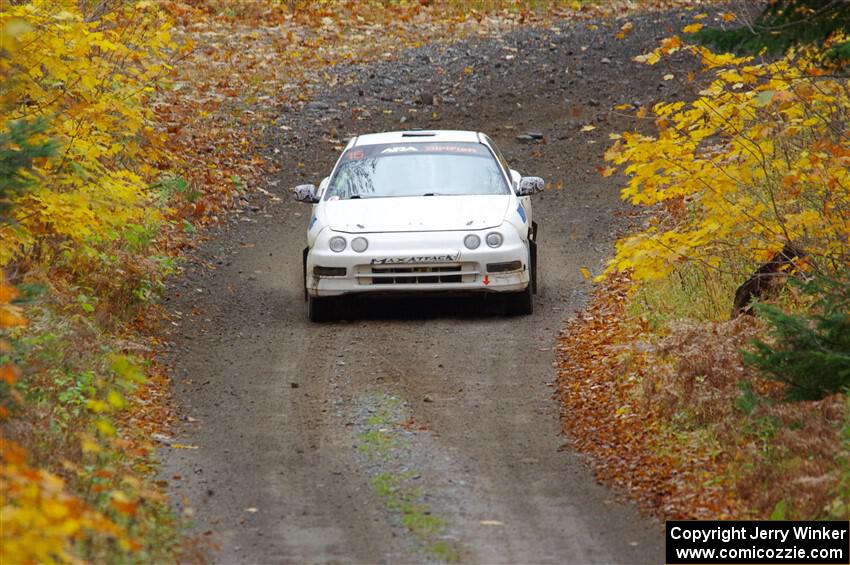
(420, 212)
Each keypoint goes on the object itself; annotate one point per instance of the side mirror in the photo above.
(530, 185)
(306, 193)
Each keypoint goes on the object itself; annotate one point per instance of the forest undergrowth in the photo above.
(709, 378)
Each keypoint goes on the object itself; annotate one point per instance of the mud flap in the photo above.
(304, 269)
(532, 251)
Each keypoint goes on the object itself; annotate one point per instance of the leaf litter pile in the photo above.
(678, 423)
(604, 415)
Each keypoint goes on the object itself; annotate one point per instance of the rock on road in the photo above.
(276, 405)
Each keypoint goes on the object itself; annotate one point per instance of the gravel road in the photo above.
(336, 442)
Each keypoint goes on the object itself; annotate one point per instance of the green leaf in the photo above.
(764, 98)
(778, 511)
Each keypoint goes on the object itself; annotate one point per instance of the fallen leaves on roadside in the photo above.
(598, 385)
(624, 30)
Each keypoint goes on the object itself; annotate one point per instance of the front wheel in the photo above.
(321, 309)
(520, 303)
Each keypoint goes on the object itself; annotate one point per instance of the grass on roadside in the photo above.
(401, 491)
(689, 293)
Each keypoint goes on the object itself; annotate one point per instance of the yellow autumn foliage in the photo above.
(89, 77)
(760, 158)
(40, 518)
(86, 79)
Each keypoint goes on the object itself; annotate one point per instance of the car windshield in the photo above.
(416, 169)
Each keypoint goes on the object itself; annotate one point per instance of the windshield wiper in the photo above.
(353, 196)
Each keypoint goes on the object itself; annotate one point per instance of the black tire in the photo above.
(520, 303)
(321, 309)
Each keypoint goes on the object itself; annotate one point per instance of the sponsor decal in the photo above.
(521, 211)
(471, 149)
(444, 258)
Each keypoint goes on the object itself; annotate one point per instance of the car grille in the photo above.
(416, 274)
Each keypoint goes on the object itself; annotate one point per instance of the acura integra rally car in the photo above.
(420, 212)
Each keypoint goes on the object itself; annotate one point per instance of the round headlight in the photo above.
(337, 244)
(472, 241)
(359, 244)
(494, 239)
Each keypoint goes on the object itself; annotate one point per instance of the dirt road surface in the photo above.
(282, 416)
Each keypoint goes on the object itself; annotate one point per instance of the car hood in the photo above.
(416, 213)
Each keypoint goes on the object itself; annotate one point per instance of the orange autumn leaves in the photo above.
(601, 385)
(10, 317)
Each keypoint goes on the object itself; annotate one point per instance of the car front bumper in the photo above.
(418, 262)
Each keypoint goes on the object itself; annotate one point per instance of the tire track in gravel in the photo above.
(273, 403)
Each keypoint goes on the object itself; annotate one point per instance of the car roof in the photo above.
(415, 136)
